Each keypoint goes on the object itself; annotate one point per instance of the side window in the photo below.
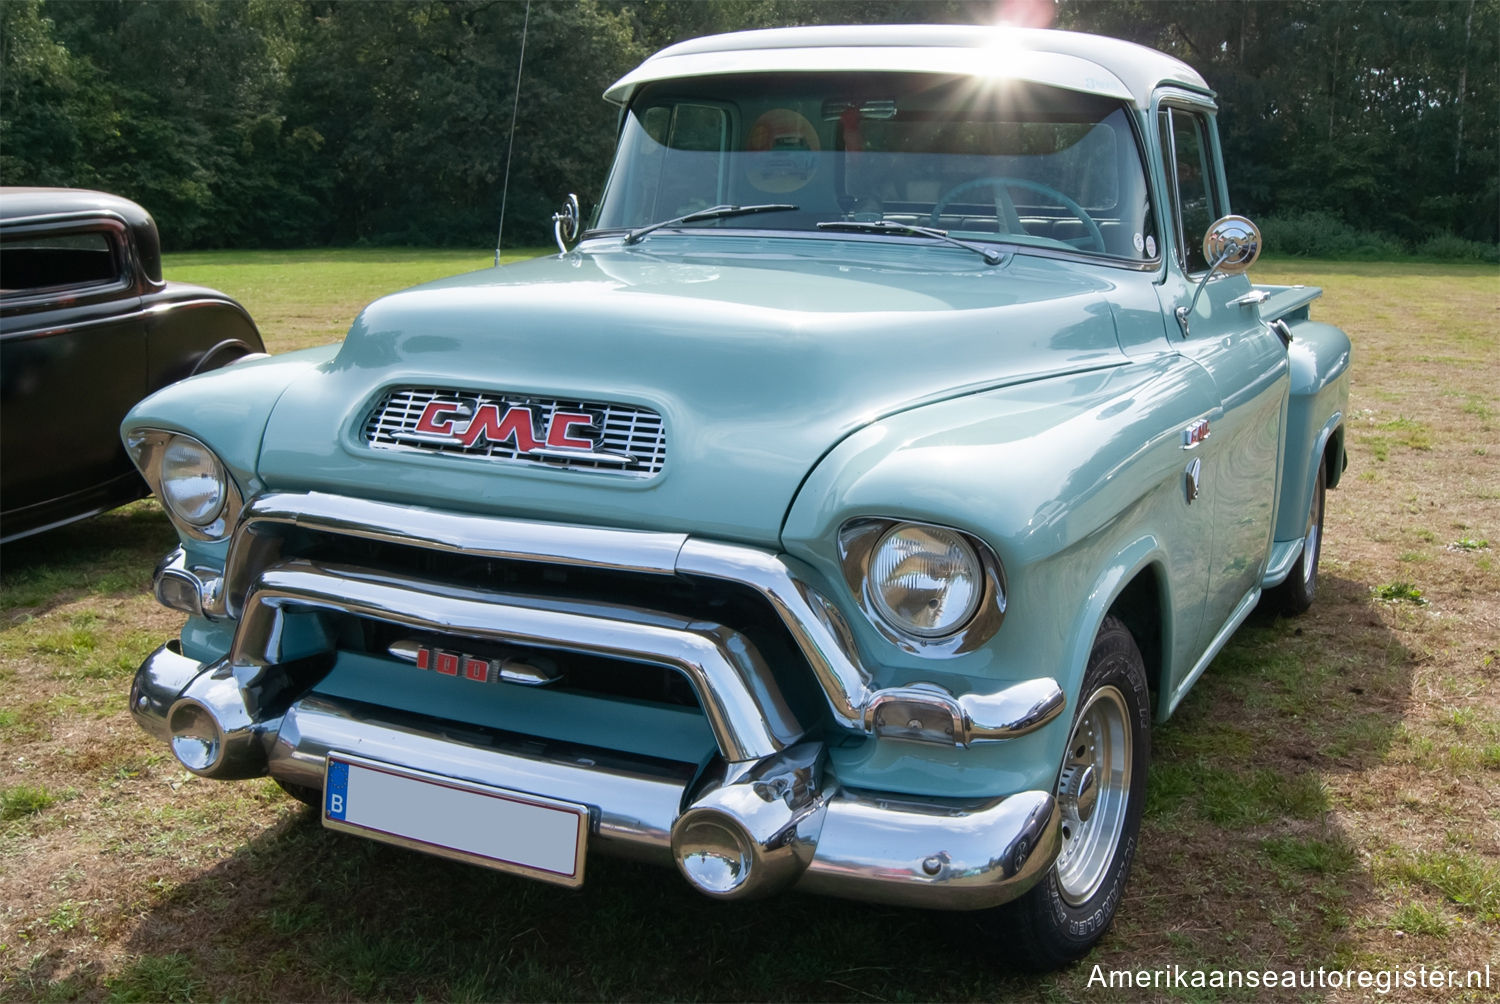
(1196, 202)
(30, 262)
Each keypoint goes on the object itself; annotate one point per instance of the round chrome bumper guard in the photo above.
(757, 833)
(197, 740)
(213, 734)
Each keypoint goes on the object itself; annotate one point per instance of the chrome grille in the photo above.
(632, 441)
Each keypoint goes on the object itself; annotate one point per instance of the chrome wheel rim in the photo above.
(1310, 544)
(1093, 793)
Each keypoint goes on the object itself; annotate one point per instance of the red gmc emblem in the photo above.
(521, 425)
(445, 662)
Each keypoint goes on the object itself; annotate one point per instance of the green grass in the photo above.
(172, 978)
(304, 298)
(1398, 591)
(1464, 878)
(24, 800)
(1414, 918)
(1320, 857)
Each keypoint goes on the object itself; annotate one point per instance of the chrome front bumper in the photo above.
(770, 790)
(807, 831)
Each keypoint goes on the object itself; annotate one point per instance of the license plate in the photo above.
(510, 831)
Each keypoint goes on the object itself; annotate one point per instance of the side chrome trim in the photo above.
(1237, 617)
(745, 709)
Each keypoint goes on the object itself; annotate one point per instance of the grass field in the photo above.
(1327, 796)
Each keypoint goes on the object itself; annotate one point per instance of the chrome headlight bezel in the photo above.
(859, 541)
(149, 449)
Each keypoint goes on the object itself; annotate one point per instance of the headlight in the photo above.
(193, 484)
(925, 580)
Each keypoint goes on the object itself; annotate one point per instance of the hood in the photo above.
(759, 361)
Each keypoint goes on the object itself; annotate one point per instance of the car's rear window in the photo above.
(47, 261)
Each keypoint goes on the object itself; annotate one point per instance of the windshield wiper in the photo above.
(712, 213)
(990, 256)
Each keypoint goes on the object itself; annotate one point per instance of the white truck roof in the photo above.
(1076, 62)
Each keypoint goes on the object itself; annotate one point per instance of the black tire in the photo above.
(1069, 910)
(302, 793)
(1297, 593)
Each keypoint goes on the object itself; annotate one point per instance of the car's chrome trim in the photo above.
(647, 551)
(815, 624)
(857, 540)
(635, 799)
(146, 447)
(918, 851)
(178, 587)
(1237, 616)
(745, 709)
(932, 852)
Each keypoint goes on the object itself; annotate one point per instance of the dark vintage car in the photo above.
(88, 327)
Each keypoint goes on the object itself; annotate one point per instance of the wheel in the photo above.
(1101, 790)
(1296, 594)
(302, 793)
(1004, 207)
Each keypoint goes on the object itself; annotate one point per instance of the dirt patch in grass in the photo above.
(1327, 796)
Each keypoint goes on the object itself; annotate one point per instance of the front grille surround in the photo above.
(629, 431)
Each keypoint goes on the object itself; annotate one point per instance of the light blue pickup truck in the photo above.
(838, 509)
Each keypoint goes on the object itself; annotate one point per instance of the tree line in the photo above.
(282, 123)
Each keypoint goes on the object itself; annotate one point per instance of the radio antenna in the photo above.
(510, 143)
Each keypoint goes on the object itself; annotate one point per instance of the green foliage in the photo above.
(1448, 247)
(24, 800)
(1323, 235)
(1414, 918)
(1394, 592)
(157, 978)
(1320, 857)
(1385, 116)
(1464, 878)
(1354, 129)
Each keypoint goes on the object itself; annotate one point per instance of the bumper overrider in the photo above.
(767, 813)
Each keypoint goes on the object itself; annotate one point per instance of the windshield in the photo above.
(984, 160)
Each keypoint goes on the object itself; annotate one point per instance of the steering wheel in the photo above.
(1010, 222)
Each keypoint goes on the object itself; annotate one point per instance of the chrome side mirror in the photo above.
(566, 224)
(1231, 246)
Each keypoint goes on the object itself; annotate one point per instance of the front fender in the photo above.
(227, 410)
(1075, 482)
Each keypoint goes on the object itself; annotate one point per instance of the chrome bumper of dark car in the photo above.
(797, 825)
